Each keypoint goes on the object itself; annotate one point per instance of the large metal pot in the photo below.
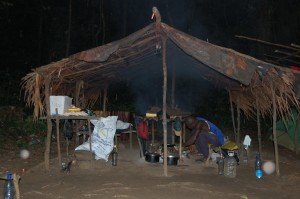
(152, 157)
(172, 159)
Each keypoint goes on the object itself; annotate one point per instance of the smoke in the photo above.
(190, 86)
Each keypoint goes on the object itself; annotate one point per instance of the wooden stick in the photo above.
(274, 131)
(180, 146)
(104, 98)
(296, 134)
(295, 45)
(287, 53)
(238, 121)
(90, 138)
(173, 87)
(164, 64)
(173, 133)
(265, 42)
(49, 124)
(183, 132)
(277, 59)
(152, 125)
(16, 179)
(232, 115)
(57, 138)
(258, 124)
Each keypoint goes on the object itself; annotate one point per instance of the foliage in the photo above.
(216, 110)
(34, 127)
(120, 98)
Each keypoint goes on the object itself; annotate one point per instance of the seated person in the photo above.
(203, 133)
(143, 134)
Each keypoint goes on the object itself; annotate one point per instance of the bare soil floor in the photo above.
(133, 177)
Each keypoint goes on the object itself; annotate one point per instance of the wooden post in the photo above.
(104, 98)
(238, 121)
(152, 126)
(274, 130)
(296, 134)
(173, 87)
(16, 179)
(57, 138)
(258, 124)
(164, 64)
(49, 124)
(173, 133)
(130, 137)
(77, 92)
(232, 115)
(90, 138)
(183, 132)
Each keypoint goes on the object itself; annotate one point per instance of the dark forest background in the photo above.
(34, 33)
(37, 32)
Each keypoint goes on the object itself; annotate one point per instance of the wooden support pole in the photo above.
(152, 131)
(90, 139)
(296, 134)
(232, 115)
(238, 121)
(173, 133)
(274, 130)
(16, 179)
(58, 138)
(258, 124)
(104, 98)
(183, 132)
(164, 64)
(173, 87)
(180, 141)
(130, 137)
(49, 124)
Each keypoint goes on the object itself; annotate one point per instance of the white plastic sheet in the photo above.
(102, 137)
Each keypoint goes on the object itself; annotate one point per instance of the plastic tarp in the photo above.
(286, 134)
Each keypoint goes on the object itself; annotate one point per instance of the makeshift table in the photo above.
(70, 117)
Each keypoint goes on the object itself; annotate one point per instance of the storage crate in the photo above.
(62, 103)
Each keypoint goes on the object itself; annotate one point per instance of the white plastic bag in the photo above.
(102, 137)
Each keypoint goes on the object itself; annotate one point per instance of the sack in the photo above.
(102, 137)
(68, 129)
(143, 130)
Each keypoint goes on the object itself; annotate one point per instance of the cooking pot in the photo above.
(172, 159)
(152, 157)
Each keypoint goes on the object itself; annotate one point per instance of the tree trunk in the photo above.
(69, 29)
(40, 38)
(103, 21)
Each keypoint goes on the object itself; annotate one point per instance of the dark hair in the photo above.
(189, 120)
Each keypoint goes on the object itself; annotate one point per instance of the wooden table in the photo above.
(71, 117)
(57, 118)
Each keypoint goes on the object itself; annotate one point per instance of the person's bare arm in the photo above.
(195, 134)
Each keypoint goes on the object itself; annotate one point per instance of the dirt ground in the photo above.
(133, 177)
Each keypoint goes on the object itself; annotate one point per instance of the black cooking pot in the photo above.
(172, 159)
(168, 145)
(152, 157)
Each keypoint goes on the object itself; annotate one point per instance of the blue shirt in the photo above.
(214, 129)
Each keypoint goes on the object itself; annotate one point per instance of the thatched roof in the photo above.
(139, 53)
